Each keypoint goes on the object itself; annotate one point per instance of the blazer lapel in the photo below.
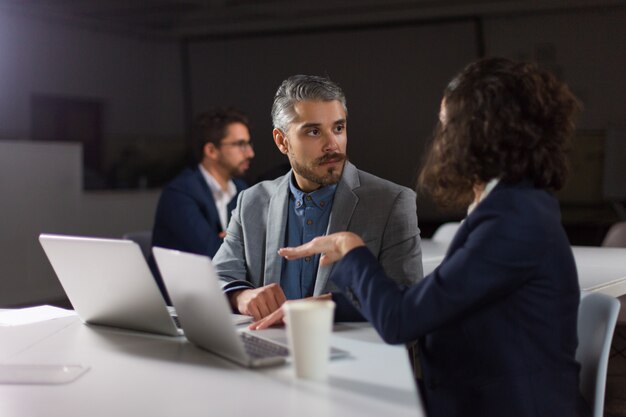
(344, 204)
(275, 232)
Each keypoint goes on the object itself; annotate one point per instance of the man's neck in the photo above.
(220, 176)
(305, 185)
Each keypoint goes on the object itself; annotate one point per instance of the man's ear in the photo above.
(210, 150)
(281, 141)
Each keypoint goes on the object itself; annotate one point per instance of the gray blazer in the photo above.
(381, 212)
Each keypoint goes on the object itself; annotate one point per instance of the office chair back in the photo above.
(616, 236)
(446, 232)
(144, 239)
(597, 315)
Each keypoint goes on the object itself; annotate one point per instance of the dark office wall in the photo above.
(137, 80)
(392, 77)
(134, 84)
(584, 48)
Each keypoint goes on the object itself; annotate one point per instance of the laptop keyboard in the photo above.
(261, 348)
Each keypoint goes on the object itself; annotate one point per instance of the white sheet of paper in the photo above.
(40, 374)
(29, 315)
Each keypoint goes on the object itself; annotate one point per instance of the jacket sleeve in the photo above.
(491, 263)
(344, 309)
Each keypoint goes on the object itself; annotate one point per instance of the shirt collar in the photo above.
(215, 187)
(488, 188)
(320, 198)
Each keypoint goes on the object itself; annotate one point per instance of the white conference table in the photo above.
(599, 269)
(138, 374)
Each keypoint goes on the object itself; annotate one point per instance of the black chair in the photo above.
(144, 239)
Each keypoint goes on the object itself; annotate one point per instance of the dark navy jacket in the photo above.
(186, 217)
(496, 321)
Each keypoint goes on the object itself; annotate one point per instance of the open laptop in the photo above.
(204, 312)
(109, 283)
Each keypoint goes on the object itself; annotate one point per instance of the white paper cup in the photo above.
(309, 325)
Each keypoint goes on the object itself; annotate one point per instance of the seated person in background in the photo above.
(194, 208)
(496, 321)
(321, 193)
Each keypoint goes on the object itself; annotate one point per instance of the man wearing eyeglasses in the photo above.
(194, 208)
(323, 193)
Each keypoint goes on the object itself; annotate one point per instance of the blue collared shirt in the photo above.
(308, 217)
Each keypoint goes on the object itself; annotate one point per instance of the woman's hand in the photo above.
(332, 247)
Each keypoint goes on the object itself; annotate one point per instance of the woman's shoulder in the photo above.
(521, 198)
(520, 211)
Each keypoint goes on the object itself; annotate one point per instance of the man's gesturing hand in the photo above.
(258, 302)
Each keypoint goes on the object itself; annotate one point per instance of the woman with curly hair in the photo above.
(496, 321)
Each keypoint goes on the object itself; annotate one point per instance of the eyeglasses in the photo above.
(241, 144)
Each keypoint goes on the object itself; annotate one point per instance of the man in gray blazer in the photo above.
(323, 193)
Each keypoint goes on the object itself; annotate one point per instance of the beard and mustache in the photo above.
(332, 174)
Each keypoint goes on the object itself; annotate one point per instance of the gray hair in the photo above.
(302, 88)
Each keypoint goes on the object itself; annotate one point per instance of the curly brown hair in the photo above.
(504, 119)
